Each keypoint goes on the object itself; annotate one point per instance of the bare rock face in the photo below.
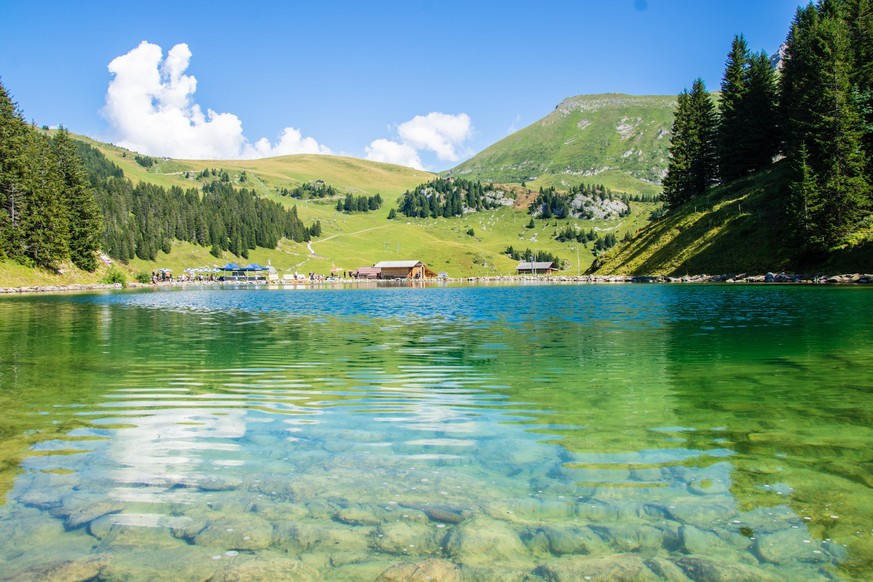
(428, 570)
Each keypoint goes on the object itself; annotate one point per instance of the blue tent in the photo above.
(231, 267)
(255, 267)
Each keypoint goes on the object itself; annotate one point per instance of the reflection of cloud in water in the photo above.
(167, 446)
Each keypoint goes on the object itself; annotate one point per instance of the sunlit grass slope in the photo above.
(733, 229)
(738, 228)
(266, 175)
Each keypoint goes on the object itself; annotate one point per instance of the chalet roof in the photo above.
(535, 266)
(397, 264)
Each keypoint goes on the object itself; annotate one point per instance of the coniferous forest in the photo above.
(48, 213)
(449, 197)
(817, 111)
(62, 200)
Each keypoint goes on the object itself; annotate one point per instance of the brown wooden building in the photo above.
(535, 268)
(404, 270)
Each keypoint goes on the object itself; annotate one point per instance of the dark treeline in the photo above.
(48, 213)
(317, 189)
(533, 256)
(571, 234)
(818, 113)
(551, 203)
(359, 203)
(142, 219)
(448, 197)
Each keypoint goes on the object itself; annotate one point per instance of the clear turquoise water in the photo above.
(521, 432)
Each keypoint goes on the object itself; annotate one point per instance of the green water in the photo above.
(478, 433)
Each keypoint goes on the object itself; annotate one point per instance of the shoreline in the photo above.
(768, 278)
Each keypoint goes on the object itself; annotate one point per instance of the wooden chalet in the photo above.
(367, 273)
(403, 270)
(536, 268)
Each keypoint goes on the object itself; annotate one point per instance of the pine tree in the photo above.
(693, 162)
(43, 218)
(13, 138)
(761, 137)
(83, 214)
(822, 118)
(733, 123)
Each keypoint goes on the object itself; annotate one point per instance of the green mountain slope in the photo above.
(616, 140)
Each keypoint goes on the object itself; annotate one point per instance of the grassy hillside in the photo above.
(266, 175)
(616, 140)
(738, 228)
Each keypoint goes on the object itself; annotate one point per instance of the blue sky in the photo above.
(420, 82)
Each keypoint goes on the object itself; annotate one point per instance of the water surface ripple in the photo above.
(541, 432)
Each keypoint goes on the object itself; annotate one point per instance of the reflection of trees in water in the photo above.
(778, 377)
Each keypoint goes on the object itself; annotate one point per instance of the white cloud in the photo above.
(392, 152)
(150, 106)
(441, 133)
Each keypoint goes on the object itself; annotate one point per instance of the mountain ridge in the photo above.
(616, 139)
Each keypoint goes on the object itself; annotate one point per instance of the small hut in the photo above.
(535, 268)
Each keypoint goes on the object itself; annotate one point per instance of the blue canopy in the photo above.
(255, 267)
(231, 267)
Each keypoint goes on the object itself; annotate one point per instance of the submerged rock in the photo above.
(84, 514)
(85, 569)
(484, 541)
(614, 568)
(560, 541)
(631, 538)
(237, 533)
(431, 569)
(789, 545)
(710, 570)
(702, 512)
(271, 569)
(699, 541)
(356, 516)
(403, 537)
(444, 514)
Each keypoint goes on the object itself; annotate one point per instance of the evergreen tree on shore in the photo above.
(47, 209)
(693, 163)
(13, 139)
(83, 215)
(824, 124)
(747, 132)
(733, 123)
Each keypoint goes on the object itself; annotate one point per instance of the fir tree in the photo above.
(823, 122)
(761, 137)
(43, 218)
(733, 123)
(83, 214)
(692, 166)
(13, 137)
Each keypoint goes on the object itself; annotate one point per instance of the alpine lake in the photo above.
(502, 432)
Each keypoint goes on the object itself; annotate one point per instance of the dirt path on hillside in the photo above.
(314, 255)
